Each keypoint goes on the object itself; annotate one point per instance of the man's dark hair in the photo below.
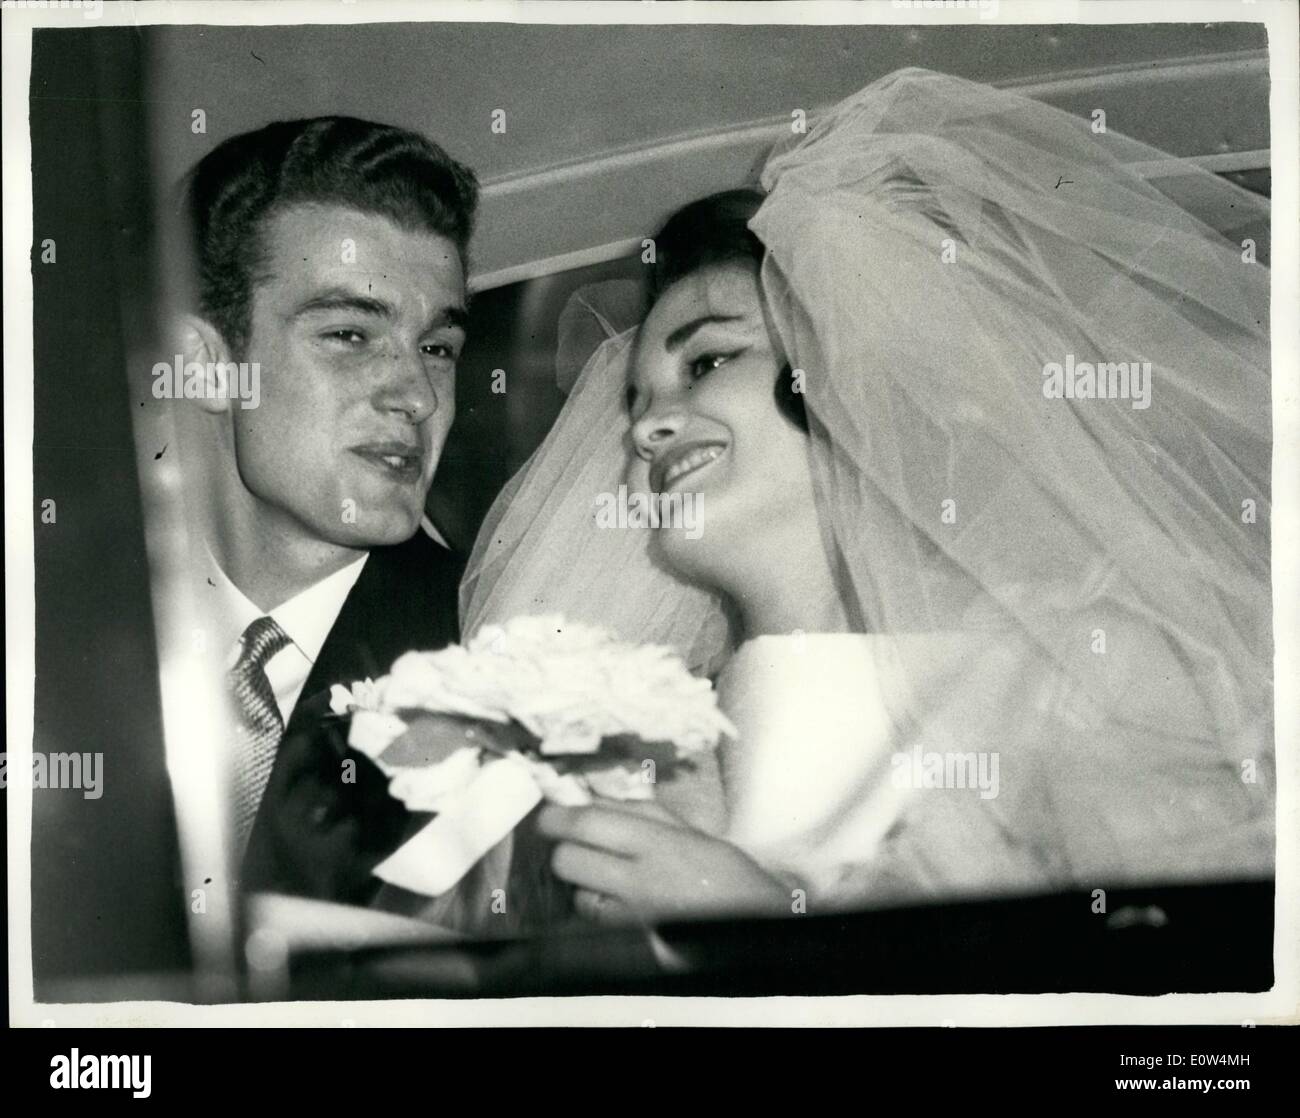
(375, 168)
(708, 233)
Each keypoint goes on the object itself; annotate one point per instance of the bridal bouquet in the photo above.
(534, 709)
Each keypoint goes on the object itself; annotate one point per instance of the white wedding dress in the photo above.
(873, 769)
(807, 785)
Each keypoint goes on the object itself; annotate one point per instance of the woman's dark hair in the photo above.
(710, 232)
(375, 168)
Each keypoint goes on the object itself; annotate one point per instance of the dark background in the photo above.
(105, 885)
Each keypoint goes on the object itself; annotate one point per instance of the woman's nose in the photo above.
(654, 429)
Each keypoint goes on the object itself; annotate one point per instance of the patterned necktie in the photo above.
(257, 735)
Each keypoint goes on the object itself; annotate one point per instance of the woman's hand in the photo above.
(637, 862)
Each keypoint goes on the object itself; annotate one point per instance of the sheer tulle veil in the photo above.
(1038, 391)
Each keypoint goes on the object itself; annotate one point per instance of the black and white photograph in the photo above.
(652, 514)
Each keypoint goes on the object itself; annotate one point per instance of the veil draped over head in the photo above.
(1038, 392)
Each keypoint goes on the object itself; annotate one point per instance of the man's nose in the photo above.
(659, 426)
(405, 386)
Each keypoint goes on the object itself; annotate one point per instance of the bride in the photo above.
(977, 636)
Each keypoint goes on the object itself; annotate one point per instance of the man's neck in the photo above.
(269, 570)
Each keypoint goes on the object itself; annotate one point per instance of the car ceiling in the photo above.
(610, 128)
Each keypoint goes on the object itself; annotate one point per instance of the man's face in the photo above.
(357, 325)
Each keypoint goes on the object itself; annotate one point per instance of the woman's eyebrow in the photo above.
(683, 333)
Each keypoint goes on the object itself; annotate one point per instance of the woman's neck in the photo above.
(794, 590)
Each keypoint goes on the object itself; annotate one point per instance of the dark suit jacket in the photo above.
(316, 833)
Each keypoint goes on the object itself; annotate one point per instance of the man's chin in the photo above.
(381, 530)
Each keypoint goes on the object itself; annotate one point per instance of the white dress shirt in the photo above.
(306, 618)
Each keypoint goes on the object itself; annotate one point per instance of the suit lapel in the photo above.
(316, 835)
(404, 599)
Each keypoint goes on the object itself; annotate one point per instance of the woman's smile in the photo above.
(681, 461)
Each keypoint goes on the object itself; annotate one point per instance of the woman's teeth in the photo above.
(693, 461)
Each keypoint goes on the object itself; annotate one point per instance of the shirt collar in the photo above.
(306, 618)
(309, 615)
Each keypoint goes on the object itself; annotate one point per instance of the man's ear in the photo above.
(206, 356)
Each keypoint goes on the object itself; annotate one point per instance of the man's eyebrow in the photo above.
(682, 334)
(451, 316)
(341, 299)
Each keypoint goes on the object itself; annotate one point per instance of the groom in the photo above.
(330, 261)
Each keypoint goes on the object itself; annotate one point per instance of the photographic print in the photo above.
(550, 513)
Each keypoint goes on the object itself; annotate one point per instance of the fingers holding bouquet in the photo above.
(539, 710)
(638, 863)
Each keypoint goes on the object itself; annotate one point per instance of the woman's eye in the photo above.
(440, 349)
(706, 363)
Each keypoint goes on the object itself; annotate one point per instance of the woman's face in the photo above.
(706, 427)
